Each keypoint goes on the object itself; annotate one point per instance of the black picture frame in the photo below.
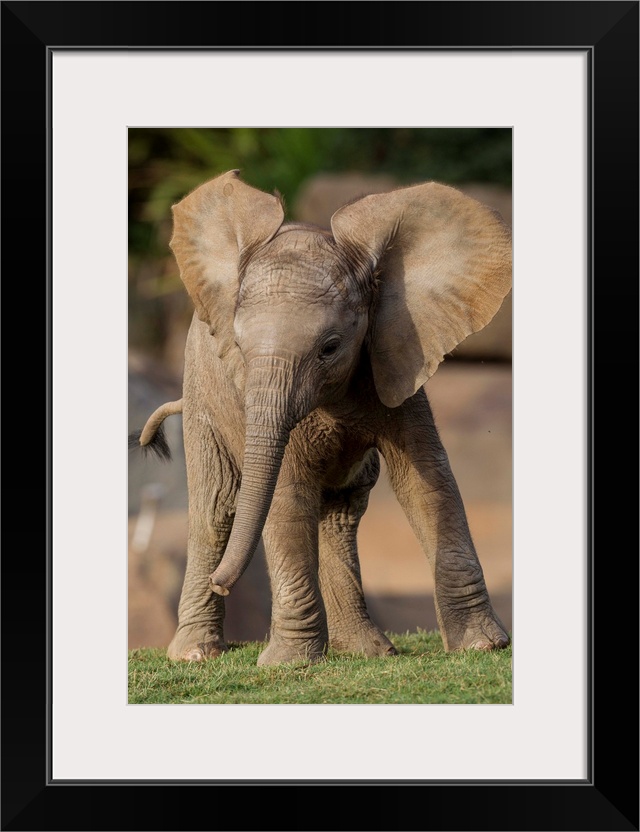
(608, 798)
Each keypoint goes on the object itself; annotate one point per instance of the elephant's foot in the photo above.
(476, 629)
(194, 643)
(365, 638)
(282, 651)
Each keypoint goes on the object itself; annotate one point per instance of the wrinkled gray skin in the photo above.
(305, 360)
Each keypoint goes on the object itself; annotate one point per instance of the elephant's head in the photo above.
(407, 275)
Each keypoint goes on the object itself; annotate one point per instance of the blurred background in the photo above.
(316, 170)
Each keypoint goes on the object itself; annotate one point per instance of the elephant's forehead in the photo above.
(296, 265)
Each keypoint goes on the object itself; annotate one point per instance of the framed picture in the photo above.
(563, 77)
(318, 171)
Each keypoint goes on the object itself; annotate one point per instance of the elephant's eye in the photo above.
(330, 348)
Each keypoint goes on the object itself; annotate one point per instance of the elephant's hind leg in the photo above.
(350, 628)
(213, 484)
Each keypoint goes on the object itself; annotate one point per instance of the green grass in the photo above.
(422, 673)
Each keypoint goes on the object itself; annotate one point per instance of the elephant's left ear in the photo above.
(444, 266)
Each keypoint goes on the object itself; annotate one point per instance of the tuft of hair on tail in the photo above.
(157, 446)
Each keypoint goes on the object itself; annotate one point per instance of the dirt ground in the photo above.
(472, 406)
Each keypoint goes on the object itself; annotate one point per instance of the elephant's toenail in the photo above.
(194, 656)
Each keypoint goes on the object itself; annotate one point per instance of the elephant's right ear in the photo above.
(212, 227)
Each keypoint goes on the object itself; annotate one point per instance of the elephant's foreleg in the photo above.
(426, 488)
(298, 620)
(213, 484)
(349, 626)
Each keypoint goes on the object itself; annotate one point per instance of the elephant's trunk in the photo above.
(268, 425)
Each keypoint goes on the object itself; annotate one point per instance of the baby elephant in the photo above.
(305, 359)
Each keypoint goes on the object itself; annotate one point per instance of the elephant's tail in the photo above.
(151, 437)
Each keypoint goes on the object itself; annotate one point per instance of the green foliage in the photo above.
(165, 164)
(422, 673)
